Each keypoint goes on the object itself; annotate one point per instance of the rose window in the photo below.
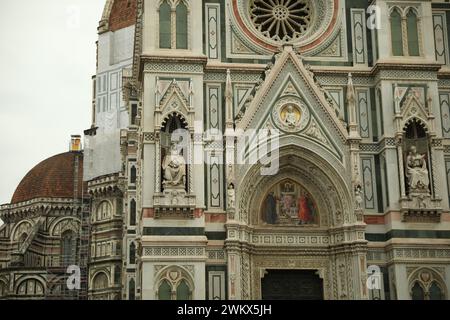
(281, 20)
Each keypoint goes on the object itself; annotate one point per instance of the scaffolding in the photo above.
(58, 269)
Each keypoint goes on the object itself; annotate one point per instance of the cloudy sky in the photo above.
(47, 58)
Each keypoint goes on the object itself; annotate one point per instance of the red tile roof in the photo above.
(52, 178)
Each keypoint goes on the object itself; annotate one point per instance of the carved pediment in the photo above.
(413, 108)
(309, 112)
(174, 101)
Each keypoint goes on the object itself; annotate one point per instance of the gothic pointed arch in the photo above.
(396, 31)
(165, 25)
(175, 101)
(427, 284)
(174, 283)
(314, 182)
(413, 109)
(182, 25)
(412, 21)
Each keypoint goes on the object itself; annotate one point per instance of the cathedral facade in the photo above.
(250, 149)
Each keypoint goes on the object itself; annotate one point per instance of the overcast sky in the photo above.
(47, 58)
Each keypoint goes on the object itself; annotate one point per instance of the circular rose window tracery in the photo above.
(281, 20)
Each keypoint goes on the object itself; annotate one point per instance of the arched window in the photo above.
(133, 212)
(100, 281)
(133, 175)
(182, 26)
(435, 292)
(427, 284)
(396, 33)
(104, 211)
(132, 257)
(174, 284)
(131, 290)
(417, 292)
(413, 33)
(68, 248)
(31, 287)
(165, 26)
(165, 291)
(183, 291)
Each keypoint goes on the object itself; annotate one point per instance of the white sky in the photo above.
(47, 58)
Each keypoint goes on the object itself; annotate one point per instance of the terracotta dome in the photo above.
(123, 14)
(52, 178)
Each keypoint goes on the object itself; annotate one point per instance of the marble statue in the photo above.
(231, 193)
(359, 197)
(174, 167)
(416, 171)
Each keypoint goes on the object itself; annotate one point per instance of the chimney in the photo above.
(75, 143)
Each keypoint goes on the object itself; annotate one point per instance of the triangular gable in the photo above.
(413, 108)
(290, 83)
(174, 101)
(275, 86)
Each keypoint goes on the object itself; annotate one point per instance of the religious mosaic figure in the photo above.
(288, 203)
(271, 209)
(416, 171)
(174, 167)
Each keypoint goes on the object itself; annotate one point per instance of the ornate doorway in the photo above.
(292, 285)
(288, 232)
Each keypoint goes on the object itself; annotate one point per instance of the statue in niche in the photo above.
(359, 197)
(416, 171)
(231, 196)
(174, 167)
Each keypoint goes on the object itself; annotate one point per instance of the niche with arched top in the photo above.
(174, 152)
(417, 157)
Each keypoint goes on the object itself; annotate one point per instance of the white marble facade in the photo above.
(353, 102)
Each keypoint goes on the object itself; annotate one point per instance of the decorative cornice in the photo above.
(223, 67)
(370, 72)
(105, 184)
(160, 58)
(37, 207)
